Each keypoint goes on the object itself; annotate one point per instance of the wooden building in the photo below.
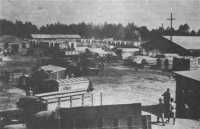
(188, 94)
(55, 40)
(191, 43)
(13, 45)
(55, 72)
(162, 45)
(126, 116)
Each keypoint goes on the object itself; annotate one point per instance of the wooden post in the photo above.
(74, 124)
(70, 100)
(82, 103)
(101, 98)
(59, 102)
(92, 96)
(59, 120)
(58, 113)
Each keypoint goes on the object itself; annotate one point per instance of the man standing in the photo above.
(166, 96)
(160, 112)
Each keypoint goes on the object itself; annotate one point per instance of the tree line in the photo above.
(89, 30)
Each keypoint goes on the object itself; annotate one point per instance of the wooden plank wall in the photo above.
(127, 116)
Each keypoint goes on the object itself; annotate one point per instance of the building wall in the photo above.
(152, 53)
(180, 64)
(53, 76)
(105, 117)
(195, 52)
(18, 47)
(57, 75)
(69, 44)
(187, 97)
(194, 63)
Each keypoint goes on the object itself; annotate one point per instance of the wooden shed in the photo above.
(188, 94)
(55, 72)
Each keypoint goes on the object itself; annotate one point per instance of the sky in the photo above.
(150, 13)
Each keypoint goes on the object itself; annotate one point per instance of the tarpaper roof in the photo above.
(188, 42)
(165, 46)
(193, 74)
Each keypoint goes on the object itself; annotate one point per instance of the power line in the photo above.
(171, 19)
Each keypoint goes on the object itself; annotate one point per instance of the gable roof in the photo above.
(55, 36)
(164, 45)
(193, 74)
(188, 42)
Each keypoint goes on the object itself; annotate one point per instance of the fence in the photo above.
(69, 96)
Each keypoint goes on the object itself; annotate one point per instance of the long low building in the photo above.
(49, 40)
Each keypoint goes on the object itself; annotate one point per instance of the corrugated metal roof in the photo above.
(55, 36)
(52, 68)
(188, 42)
(193, 74)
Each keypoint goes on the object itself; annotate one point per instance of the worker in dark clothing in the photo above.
(90, 87)
(158, 63)
(166, 96)
(166, 63)
(173, 110)
(161, 112)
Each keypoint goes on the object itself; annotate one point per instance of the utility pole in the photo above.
(171, 19)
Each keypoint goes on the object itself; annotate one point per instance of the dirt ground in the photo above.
(120, 85)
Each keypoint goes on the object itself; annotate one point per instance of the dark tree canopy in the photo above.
(89, 30)
(183, 29)
(17, 28)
